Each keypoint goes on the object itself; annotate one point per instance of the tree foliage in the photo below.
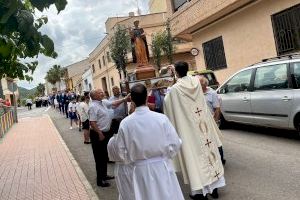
(55, 74)
(169, 47)
(20, 37)
(158, 41)
(119, 46)
(162, 44)
(40, 90)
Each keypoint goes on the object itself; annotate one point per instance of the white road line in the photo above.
(47, 109)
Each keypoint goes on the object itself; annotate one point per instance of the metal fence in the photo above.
(6, 121)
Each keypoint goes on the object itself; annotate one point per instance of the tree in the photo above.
(40, 90)
(20, 38)
(162, 44)
(55, 74)
(158, 40)
(169, 47)
(119, 45)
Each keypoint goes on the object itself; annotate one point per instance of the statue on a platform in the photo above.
(140, 52)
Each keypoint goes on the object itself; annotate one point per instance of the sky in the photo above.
(77, 30)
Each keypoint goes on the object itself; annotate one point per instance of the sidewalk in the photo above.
(83, 154)
(35, 163)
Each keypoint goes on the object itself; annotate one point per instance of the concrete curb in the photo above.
(85, 182)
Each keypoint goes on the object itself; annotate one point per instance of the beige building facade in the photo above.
(105, 74)
(233, 34)
(157, 6)
(9, 88)
(75, 72)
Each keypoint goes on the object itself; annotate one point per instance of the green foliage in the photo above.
(40, 90)
(119, 45)
(25, 93)
(20, 37)
(55, 74)
(169, 47)
(162, 44)
(158, 41)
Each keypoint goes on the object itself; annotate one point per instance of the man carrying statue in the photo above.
(199, 159)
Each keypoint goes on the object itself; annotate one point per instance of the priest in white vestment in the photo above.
(143, 149)
(199, 159)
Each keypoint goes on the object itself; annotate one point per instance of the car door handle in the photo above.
(245, 99)
(286, 98)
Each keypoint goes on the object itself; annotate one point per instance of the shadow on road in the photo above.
(280, 133)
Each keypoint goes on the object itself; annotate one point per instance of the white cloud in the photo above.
(78, 29)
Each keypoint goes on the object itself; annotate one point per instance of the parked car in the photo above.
(209, 74)
(264, 94)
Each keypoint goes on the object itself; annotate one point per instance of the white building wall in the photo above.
(87, 80)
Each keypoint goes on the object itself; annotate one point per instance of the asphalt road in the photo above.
(262, 163)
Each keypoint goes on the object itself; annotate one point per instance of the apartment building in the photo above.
(232, 34)
(105, 74)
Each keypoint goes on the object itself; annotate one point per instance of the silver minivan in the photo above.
(264, 94)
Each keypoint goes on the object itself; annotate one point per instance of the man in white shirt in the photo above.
(83, 109)
(72, 109)
(120, 112)
(142, 150)
(100, 117)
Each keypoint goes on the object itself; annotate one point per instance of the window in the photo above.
(93, 68)
(103, 59)
(271, 77)
(86, 82)
(286, 26)
(178, 3)
(99, 62)
(240, 82)
(296, 73)
(108, 57)
(112, 81)
(90, 87)
(214, 54)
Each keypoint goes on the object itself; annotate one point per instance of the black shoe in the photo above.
(87, 142)
(198, 197)
(111, 162)
(103, 183)
(215, 194)
(109, 178)
(224, 162)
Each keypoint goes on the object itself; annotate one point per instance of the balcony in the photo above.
(196, 14)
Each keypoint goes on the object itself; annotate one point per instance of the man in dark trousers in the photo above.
(100, 117)
(59, 101)
(65, 102)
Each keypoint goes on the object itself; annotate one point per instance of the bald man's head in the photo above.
(97, 94)
(116, 91)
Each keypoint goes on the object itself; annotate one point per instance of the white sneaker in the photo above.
(71, 128)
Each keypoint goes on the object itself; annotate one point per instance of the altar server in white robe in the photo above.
(143, 149)
(199, 159)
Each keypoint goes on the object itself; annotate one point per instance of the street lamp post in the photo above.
(15, 102)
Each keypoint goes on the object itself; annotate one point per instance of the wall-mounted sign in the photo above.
(194, 51)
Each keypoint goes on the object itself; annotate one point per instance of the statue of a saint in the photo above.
(140, 52)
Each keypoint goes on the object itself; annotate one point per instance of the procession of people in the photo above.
(163, 132)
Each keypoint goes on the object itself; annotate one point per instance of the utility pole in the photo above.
(138, 7)
(15, 101)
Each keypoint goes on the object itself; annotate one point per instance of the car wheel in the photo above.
(297, 125)
(223, 123)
